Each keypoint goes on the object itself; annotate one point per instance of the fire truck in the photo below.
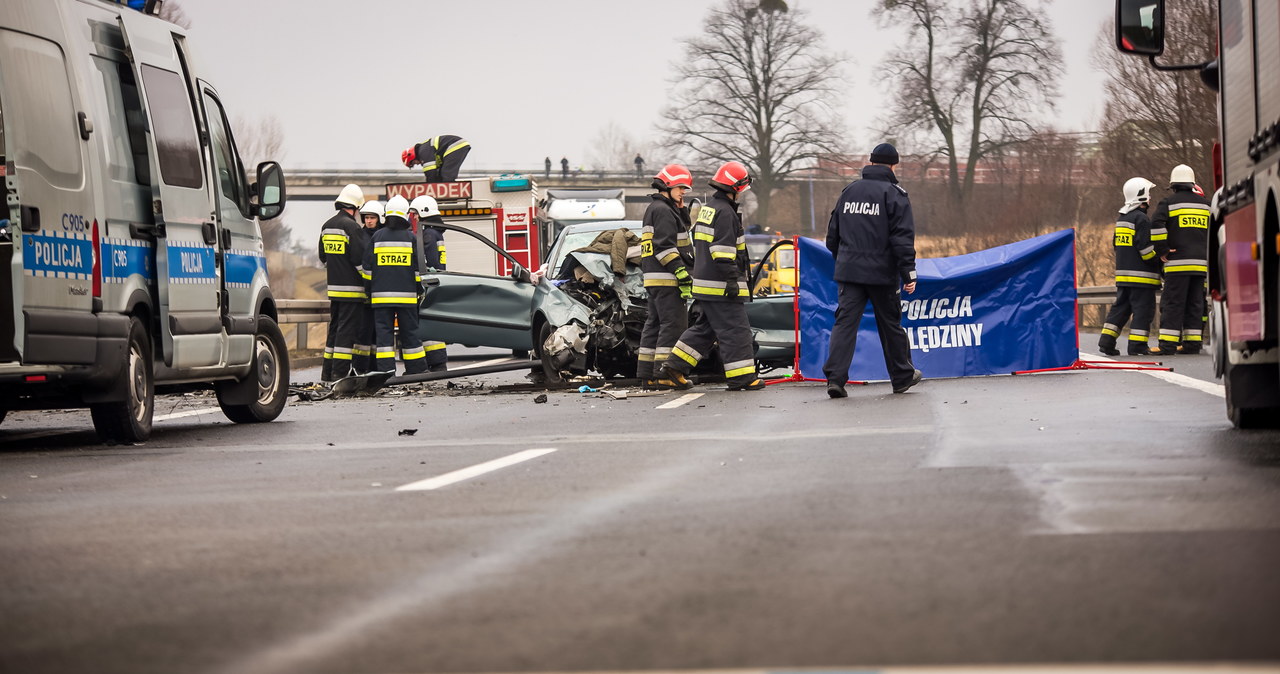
(499, 208)
(1244, 237)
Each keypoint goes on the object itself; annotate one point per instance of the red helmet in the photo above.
(732, 177)
(673, 175)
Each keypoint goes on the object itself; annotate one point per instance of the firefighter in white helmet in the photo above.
(1180, 231)
(362, 350)
(720, 289)
(424, 215)
(1137, 273)
(342, 247)
(395, 284)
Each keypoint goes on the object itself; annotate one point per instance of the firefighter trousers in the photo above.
(723, 322)
(1140, 303)
(385, 319)
(667, 319)
(449, 167)
(1182, 311)
(362, 350)
(886, 303)
(344, 332)
(437, 357)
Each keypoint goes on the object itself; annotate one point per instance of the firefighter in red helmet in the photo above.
(665, 257)
(720, 288)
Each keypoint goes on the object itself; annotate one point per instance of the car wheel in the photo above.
(549, 369)
(269, 375)
(129, 420)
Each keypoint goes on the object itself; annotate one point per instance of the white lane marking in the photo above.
(1171, 377)
(188, 413)
(486, 363)
(682, 400)
(474, 471)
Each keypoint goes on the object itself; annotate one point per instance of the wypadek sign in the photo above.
(438, 191)
(996, 311)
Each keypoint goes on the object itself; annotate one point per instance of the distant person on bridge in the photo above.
(872, 236)
(564, 167)
(639, 162)
(547, 172)
(342, 247)
(1137, 273)
(424, 215)
(441, 158)
(665, 258)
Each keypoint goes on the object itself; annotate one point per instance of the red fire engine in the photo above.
(1244, 237)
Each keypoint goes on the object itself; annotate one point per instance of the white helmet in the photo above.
(425, 206)
(350, 196)
(372, 208)
(1182, 174)
(397, 206)
(1136, 191)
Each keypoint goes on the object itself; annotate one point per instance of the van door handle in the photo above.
(210, 232)
(226, 239)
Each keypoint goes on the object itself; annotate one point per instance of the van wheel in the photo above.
(129, 420)
(269, 374)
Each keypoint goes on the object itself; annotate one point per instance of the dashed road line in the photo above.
(474, 471)
(188, 413)
(682, 400)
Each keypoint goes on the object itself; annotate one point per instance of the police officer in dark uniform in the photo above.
(872, 236)
(391, 266)
(1137, 273)
(665, 257)
(720, 288)
(342, 246)
(441, 158)
(1180, 231)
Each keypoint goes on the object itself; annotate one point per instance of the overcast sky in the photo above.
(354, 83)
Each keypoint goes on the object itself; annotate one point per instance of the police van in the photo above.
(131, 259)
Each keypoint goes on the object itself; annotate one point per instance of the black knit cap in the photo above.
(884, 154)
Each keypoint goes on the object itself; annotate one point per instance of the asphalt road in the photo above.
(1081, 517)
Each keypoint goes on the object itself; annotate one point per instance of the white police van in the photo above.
(130, 253)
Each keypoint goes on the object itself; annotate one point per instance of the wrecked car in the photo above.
(581, 312)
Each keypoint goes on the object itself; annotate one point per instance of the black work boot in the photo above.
(835, 389)
(915, 379)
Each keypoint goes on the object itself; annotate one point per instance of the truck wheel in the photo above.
(129, 420)
(269, 376)
(548, 367)
(1245, 390)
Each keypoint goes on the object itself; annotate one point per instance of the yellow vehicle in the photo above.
(777, 273)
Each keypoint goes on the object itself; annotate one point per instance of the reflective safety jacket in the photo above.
(433, 244)
(720, 253)
(342, 247)
(431, 152)
(391, 265)
(664, 242)
(872, 232)
(1137, 265)
(1180, 230)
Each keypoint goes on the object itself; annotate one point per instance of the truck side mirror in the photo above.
(270, 190)
(1140, 26)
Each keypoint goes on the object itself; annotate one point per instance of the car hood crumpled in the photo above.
(630, 288)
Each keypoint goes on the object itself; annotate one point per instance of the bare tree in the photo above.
(754, 86)
(613, 149)
(261, 140)
(970, 80)
(1154, 120)
(172, 12)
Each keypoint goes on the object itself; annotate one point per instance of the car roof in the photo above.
(602, 226)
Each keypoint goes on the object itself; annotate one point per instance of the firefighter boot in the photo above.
(753, 385)
(670, 380)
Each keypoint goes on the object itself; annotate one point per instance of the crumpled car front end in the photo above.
(593, 316)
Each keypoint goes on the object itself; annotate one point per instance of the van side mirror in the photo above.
(1140, 27)
(270, 190)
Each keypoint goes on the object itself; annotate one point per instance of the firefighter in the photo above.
(1180, 232)
(872, 236)
(440, 157)
(719, 285)
(1137, 273)
(342, 247)
(362, 350)
(665, 257)
(391, 267)
(424, 215)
